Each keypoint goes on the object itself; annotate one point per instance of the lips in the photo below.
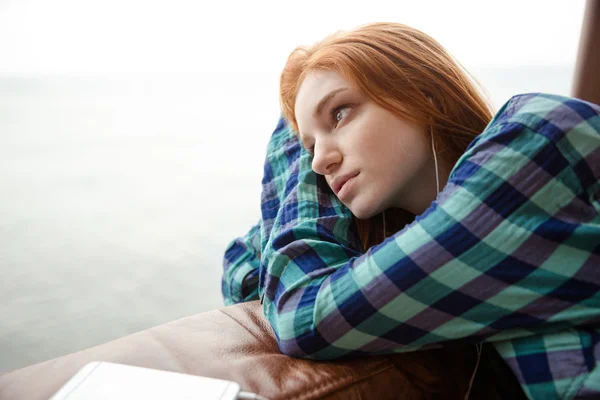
(340, 181)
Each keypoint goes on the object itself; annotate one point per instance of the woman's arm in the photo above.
(240, 268)
(510, 247)
(242, 260)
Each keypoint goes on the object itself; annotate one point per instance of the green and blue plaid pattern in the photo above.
(240, 268)
(509, 253)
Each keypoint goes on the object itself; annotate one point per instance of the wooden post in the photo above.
(586, 83)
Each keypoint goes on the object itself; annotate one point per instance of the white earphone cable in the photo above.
(435, 161)
(478, 346)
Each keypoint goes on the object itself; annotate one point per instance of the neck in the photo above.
(421, 191)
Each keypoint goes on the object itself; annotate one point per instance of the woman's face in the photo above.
(371, 159)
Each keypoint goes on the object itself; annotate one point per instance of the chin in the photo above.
(363, 211)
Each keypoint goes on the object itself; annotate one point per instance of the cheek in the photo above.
(385, 144)
(386, 151)
(373, 143)
(397, 160)
(421, 149)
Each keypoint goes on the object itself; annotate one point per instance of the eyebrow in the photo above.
(325, 100)
(322, 104)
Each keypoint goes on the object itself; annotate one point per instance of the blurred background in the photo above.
(132, 139)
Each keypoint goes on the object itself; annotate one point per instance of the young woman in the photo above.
(505, 247)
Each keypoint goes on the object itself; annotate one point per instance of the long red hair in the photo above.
(406, 72)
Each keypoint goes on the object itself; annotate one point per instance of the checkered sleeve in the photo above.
(240, 268)
(507, 250)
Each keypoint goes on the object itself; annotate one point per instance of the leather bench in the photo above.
(237, 343)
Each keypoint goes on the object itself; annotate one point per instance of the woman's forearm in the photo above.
(241, 264)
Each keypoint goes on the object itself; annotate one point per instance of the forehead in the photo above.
(315, 86)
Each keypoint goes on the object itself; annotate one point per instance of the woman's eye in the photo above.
(339, 113)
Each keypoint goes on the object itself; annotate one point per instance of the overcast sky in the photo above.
(129, 36)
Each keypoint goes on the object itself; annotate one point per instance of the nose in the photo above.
(326, 159)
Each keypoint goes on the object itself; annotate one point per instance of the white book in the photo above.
(101, 380)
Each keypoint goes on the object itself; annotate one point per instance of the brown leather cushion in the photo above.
(236, 343)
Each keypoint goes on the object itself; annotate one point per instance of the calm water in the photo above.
(118, 197)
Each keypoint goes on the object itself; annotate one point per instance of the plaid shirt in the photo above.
(509, 253)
